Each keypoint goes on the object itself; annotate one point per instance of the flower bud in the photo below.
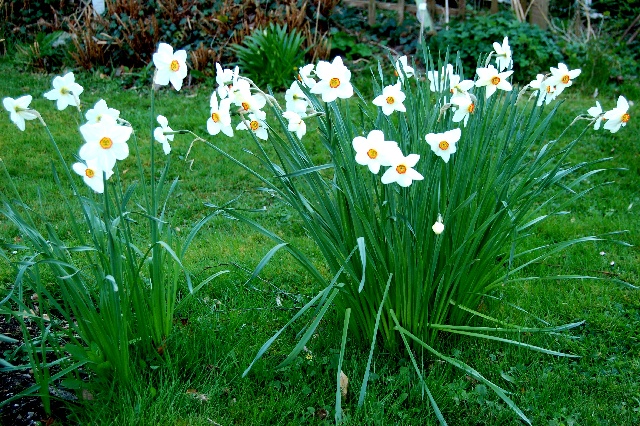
(438, 227)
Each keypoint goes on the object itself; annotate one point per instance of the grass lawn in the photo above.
(218, 332)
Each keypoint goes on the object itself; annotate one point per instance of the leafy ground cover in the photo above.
(219, 331)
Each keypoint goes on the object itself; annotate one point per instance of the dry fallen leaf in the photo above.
(344, 384)
(197, 395)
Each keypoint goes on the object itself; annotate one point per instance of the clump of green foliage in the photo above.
(271, 55)
(534, 49)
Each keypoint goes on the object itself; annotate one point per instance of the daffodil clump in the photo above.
(427, 191)
(424, 195)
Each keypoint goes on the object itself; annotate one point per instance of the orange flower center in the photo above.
(106, 143)
(175, 66)
(565, 79)
(472, 108)
(245, 106)
(254, 125)
(215, 117)
(444, 145)
(625, 118)
(401, 169)
(549, 89)
(390, 100)
(495, 80)
(372, 153)
(334, 82)
(89, 173)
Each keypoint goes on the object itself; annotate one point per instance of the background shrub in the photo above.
(534, 50)
(270, 56)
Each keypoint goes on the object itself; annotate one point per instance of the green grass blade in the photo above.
(365, 380)
(345, 329)
(269, 342)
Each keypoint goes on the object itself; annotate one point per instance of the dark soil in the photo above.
(28, 410)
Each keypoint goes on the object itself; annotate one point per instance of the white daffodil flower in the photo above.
(548, 92)
(220, 117)
(401, 170)
(562, 77)
(92, 174)
(504, 59)
(304, 75)
(373, 151)
(493, 80)
(239, 89)
(170, 67)
(334, 80)
(295, 99)
(256, 124)
(438, 227)
(158, 134)
(617, 117)
(65, 91)
(296, 123)
(540, 89)
(596, 112)
(402, 69)
(465, 108)
(19, 110)
(100, 109)
(106, 142)
(391, 99)
(439, 79)
(457, 87)
(249, 102)
(444, 144)
(225, 78)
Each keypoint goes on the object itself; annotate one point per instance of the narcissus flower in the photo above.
(226, 79)
(562, 77)
(249, 102)
(65, 91)
(158, 134)
(220, 117)
(92, 174)
(465, 108)
(240, 89)
(106, 142)
(304, 75)
(444, 144)
(19, 110)
(296, 123)
(503, 55)
(95, 114)
(171, 67)
(334, 80)
(457, 87)
(296, 99)
(543, 89)
(402, 69)
(373, 151)
(256, 124)
(493, 80)
(438, 79)
(617, 117)
(596, 112)
(401, 170)
(391, 99)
